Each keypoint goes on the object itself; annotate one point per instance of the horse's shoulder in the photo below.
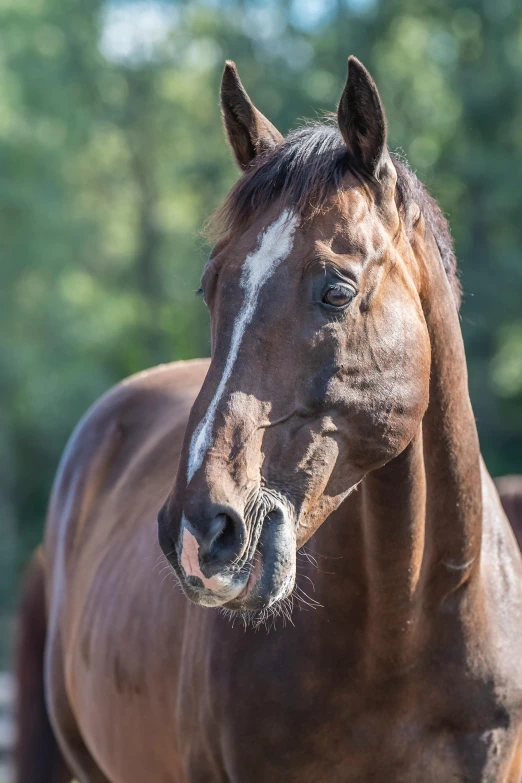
(123, 426)
(132, 407)
(174, 378)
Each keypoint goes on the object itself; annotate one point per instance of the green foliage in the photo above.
(112, 156)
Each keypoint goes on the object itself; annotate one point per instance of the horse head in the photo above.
(320, 364)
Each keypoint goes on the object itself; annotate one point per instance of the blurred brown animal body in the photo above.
(334, 411)
(510, 492)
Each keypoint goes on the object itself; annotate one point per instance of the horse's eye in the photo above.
(339, 296)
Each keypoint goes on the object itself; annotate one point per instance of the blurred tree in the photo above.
(112, 156)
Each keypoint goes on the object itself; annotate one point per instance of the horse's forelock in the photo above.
(303, 172)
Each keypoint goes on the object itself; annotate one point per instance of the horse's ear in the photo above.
(362, 120)
(248, 131)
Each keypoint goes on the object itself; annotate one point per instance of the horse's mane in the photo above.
(305, 169)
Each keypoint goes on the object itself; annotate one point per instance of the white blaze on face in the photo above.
(274, 245)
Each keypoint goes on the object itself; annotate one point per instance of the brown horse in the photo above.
(510, 493)
(334, 411)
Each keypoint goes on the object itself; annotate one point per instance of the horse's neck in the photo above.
(451, 449)
(420, 515)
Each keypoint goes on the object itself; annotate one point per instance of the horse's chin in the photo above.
(198, 594)
(264, 586)
(261, 591)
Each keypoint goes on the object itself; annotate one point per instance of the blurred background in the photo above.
(112, 155)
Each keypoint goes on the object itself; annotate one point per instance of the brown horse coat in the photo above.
(335, 411)
(510, 492)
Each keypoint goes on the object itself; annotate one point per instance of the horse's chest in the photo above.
(309, 748)
(298, 727)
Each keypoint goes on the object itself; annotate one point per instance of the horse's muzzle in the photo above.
(217, 564)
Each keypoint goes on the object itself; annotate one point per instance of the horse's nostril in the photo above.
(227, 533)
(223, 540)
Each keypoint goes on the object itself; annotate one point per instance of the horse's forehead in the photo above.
(347, 224)
(350, 225)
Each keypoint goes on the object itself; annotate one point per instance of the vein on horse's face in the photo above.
(274, 246)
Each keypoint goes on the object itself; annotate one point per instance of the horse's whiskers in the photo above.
(305, 598)
(305, 576)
